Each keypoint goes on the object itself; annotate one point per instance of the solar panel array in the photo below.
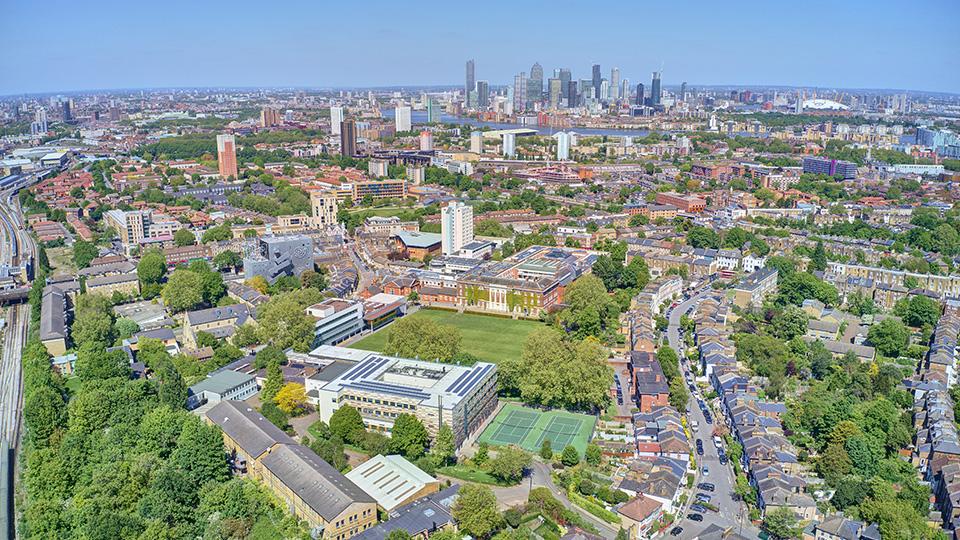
(465, 385)
(397, 390)
(366, 367)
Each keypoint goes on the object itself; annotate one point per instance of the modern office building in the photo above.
(433, 111)
(401, 117)
(40, 124)
(348, 138)
(573, 94)
(336, 320)
(683, 91)
(596, 81)
(565, 77)
(563, 145)
(831, 167)
(336, 118)
(615, 83)
(471, 79)
(227, 156)
(655, 92)
(456, 227)
(323, 208)
(555, 92)
(483, 94)
(384, 387)
(640, 95)
(535, 84)
(67, 113)
(509, 145)
(519, 91)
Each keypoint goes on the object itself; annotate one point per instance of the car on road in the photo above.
(698, 508)
(695, 517)
(676, 531)
(706, 471)
(717, 441)
(706, 486)
(723, 459)
(703, 497)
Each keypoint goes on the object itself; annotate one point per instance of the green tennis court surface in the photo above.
(528, 428)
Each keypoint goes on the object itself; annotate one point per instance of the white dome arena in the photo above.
(824, 105)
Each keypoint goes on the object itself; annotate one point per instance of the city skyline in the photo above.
(709, 45)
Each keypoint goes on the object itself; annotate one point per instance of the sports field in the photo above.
(486, 337)
(527, 428)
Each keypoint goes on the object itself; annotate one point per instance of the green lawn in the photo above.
(386, 211)
(486, 337)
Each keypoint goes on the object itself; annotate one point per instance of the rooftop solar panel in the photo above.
(473, 380)
(358, 367)
(460, 378)
(372, 366)
(376, 386)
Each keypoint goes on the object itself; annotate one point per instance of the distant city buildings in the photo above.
(348, 138)
(509, 145)
(269, 117)
(830, 167)
(563, 145)
(274, 256)
(402, 118)
(336, 118)
(324, 206)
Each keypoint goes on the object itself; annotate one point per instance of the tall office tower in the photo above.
(456, 227)
(640, 100)
(519, 91)
(615, 83)
(40, 117)
(683, 91)
(476, 142)
(471, 80)
(324, 205)
(565, 77)
(535, 85)
(655, 89)
(269, 117)
(596, 81)
(348, 138)
(555, 91)
(227, 156)
(426, 140)
(67, 114)
(509, 145)
(604, 90)
(433, 111)
(483, 94)
(401, 117)
(563, 145)
(336, 118)
(114, 114)
(625, 90)
(799, 105)
(573, 97)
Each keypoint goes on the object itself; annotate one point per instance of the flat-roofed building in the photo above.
(383, 387)
(125, 284)
(336, 320)
(751, 290)
(392, 481)
(221, 386)
(686, 203)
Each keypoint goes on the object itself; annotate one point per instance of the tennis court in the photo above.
(528, 428)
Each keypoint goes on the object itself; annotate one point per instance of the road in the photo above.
(731, 513)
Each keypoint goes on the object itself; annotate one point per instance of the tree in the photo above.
(678, 394)
(818, 260)
(408, 436)
(285, 324)
(291, 399)
(346, 423)
(313, 279)
(554, 372)
(200, 452)
(509, 464)
(398, 534)
(83, 253)
(43, 414)
(184, 237)
(781, 523)
(800, 286)
(444, 448)
(546, 452)
(570, 456)
(93, 321)
(789, 323)
(95, 363)
(593, 454)
(418, 337)
(918, 311)
(860, 304)
(890, 337)
(702, 237)
(591, 311)
(183, 291)
(259, 283)
(475, 511)
(226, 260)
(126, 327)
(151, 268)
(273, 382)
(217, 234)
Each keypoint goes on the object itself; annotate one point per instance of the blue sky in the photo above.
(50, 46)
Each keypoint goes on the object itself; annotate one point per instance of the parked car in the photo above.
(695, 517)
(703, 497)
(676, 531)
(723, 459)
(706, 486)
(698, 508)
(706, 471)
